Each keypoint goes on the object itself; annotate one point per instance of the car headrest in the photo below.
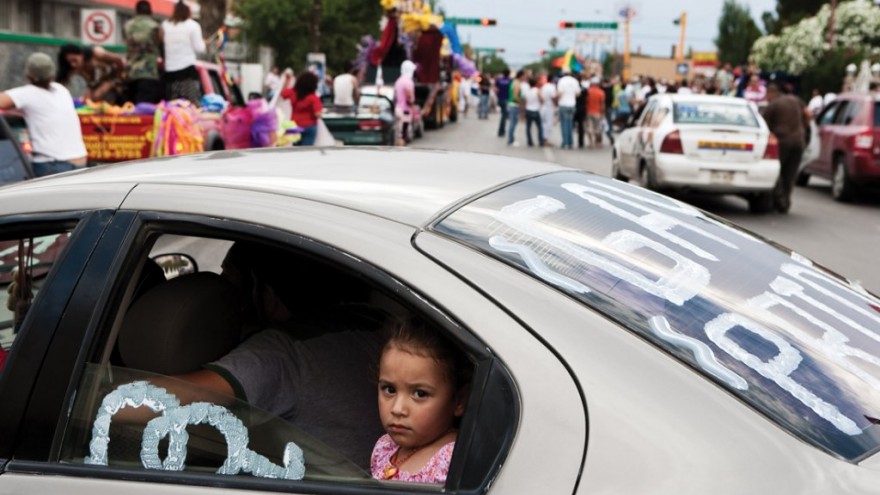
(181, 324)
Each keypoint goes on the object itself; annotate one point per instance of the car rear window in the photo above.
(714, 113)
(791, 339)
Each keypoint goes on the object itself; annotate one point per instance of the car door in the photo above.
(499, 432)
(826, 126)
(632, 141)
(42, 260)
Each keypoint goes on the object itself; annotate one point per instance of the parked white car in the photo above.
(700, 142)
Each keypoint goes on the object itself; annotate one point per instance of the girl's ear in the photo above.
(461, 401)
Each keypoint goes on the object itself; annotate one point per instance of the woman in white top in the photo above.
(533, 100)
(182, 38)
(548, 110)
(51, 118)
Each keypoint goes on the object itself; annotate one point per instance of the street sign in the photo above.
(471, 21)
(681, 69)
(98, 26)
(489, 50)
(588, 25)
(587, 37)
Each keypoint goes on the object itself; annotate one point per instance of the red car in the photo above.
(848, 145)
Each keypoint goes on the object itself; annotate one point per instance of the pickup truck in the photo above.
(114, 138)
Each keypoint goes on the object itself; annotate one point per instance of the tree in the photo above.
(493, 64)
(284, 26)
(737, 33)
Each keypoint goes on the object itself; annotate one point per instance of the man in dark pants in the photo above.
(502, 92)
(788, 120)
(580, 112)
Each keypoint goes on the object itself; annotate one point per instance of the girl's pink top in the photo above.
(434, 471)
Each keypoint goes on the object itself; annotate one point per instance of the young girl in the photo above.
(422, 391)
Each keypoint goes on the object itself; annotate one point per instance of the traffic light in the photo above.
(542, 52)
(566, 24)
(488, 22)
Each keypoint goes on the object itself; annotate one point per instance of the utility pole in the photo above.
(683, 21)
(626, 22)
(316, 25)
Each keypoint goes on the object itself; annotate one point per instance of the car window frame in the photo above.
(491, 376)
(25, 375)
(829, 113)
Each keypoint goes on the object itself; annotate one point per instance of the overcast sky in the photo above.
(526, 26)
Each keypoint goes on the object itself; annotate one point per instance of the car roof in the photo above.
(694, 98)
(404, 185)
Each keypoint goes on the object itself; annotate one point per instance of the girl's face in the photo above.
(417, 403)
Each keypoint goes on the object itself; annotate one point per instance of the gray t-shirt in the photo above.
(325, 385)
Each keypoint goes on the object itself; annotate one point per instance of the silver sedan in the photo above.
(622, 341)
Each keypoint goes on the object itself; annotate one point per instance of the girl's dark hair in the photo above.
(64, 68)
(306, 84)
(181, 12)
(415, 336)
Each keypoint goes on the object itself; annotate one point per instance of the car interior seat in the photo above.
(181, 324)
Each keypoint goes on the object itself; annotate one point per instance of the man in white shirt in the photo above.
(52, 122)
(568, 90)
(346, 92)
(816, 103)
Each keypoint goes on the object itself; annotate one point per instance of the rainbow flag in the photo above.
(569, 60)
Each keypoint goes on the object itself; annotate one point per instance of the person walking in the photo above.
(788, 119)
(484, 88)
(305, 104)
(404, 101)
(580, 110)
(595, 113)
(52, 122)
(610, 105)
(548, 110)
(143, 37)
(502, 92)
(532, 102)
(568, 90)
(182, 37)
(515, 108)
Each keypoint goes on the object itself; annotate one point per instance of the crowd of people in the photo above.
(97, 74)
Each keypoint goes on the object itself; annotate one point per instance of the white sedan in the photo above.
(699, 142)
(622, 342)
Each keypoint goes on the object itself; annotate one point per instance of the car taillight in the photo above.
(672, 144)
(370, 125)
(772, 150)
(26, 147)
(864, 140)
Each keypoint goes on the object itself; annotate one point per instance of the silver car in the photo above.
(623, 342)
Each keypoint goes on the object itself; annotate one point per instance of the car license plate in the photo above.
(720, 177)
(721, 146)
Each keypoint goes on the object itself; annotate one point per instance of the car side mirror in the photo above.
(176, 264)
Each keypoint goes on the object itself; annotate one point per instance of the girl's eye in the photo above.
(420, 394)
(387, 389)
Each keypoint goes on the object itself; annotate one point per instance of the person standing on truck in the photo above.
(345, 91)
(305, 104)
(143, 37)
(182, 39)
(99, 69)
(51, 118)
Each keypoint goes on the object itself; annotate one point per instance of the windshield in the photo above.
(789, 338)
(714, 113)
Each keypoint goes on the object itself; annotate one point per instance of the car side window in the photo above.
(25, 264)
(648, 115)
(295, 339)
(827, 115)
(849, 113)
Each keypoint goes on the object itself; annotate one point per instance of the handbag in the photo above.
(323, 136)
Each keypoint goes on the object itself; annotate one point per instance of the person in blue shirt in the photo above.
(502, 91)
